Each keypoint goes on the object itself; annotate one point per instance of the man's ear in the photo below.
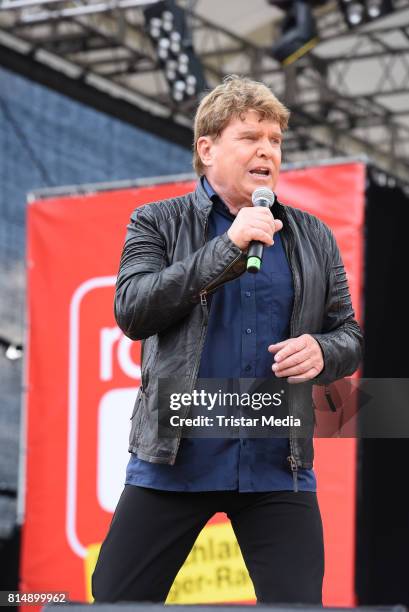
(205, 150)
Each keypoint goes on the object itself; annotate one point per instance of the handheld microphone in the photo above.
(260, 197)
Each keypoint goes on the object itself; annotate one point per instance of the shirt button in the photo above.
(248, 293)
(247, 368)
(248, 330)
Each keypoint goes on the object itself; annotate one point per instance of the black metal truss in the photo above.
(349, 96)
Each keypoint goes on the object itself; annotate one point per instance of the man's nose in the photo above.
(265, 149)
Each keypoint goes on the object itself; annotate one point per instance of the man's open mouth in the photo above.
(260, 171)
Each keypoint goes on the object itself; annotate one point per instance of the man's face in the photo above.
(246, 155)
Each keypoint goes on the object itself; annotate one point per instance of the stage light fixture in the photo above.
(11, 351)
(378, 8)
(298, 32)
(355, 13)
(166, 26)
(358, 12)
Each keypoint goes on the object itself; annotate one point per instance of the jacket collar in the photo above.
(201, 200)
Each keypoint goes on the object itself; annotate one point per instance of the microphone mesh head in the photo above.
(262, 193)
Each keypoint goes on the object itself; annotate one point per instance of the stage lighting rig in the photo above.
(166, 26)
(358, 12)
(298, 30)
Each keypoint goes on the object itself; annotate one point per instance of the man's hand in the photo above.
(253, 223)
(300, 358)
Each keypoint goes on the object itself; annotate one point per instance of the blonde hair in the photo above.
(231, 99)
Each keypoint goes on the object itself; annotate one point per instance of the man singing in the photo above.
(183, 289)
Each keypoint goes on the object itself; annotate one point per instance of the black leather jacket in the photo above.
(168, 267)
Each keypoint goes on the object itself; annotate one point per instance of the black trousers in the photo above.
(152, 533)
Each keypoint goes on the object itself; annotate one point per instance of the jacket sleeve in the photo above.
(341, 338)
(152, 294)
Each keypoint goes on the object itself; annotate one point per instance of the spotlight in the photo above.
(355, 13)
(378, 8)
(166, 26)
(358, 12)
(11, 351)
(298, 32)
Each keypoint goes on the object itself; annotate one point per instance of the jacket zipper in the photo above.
(205, 310)
(203, 302)
(329, 399)
(294, 470)
(216, 283)
(291, 459)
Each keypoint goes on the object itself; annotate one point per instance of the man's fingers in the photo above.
(264, 225)
(261, 235)
(294, 345)
(297, 358)
(292, 360)
(297, 370)
(260, 214)
(274, 348)
(249, 225)
(278, 225)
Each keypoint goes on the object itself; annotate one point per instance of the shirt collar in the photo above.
(208, 188)
(218, 203)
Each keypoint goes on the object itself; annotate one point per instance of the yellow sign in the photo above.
(214, 570)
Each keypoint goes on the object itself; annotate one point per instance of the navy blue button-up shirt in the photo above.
(246, 315)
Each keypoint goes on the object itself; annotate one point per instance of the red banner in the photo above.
(83, 374)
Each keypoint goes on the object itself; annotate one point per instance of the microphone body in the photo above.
(260, 197)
